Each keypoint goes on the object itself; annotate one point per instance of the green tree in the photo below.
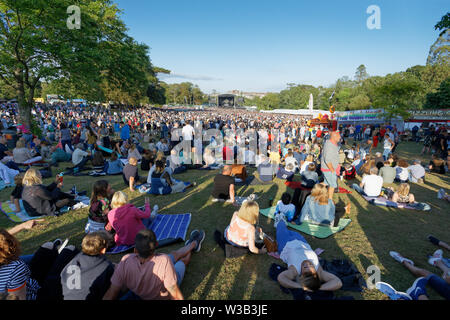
(441, 98)
(36, 44)
(361, 74)
(398, 94)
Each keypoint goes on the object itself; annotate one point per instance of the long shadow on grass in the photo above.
(401, 230)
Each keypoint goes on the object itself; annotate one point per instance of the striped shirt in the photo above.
(14, 276)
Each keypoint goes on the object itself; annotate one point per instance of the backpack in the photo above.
(350, 174)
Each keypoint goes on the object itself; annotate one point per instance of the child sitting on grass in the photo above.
(285, 207)
(16, 195)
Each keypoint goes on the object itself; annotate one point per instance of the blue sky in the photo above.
(263, 45)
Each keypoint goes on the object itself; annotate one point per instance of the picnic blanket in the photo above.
(9, 208)
(168, 228)
(298, 185)
(382, 201)
(315, 230)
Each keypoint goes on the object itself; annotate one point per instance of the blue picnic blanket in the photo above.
(381, 201)
(168, 228)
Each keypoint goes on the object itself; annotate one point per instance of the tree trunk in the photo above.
(24, 106)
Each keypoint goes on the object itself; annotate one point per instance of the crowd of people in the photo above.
(107, 142)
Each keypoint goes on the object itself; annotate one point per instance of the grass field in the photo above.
(373, 232)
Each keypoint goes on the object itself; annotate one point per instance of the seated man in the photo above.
(416, 172)
(224, 186)
(151, 276)
(387, 172)
(370, 185)
(80, 157)
(130, 174)
(304, 271)
(94, 269)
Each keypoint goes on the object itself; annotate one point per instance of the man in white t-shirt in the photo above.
(304, 270)
(188, 132)
(371, 184)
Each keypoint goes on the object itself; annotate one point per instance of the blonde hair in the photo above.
(320, 193)
(133, 161)
(159, 155)
(20, 144)
(309, 158)
(32, 177)
(249, 212)
(119, 199)
(403, 190)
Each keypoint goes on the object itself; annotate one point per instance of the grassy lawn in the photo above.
(374, 231)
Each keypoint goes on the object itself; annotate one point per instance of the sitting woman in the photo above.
(127, 220)
(402, 173)
(402, 195)
(320, 209)
(40, 200)
(304, 270)
(133, 152)
(100, 206)
(22, 155)
(242, 230)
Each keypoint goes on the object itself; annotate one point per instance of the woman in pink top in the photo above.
(127, 220)
(241, 231)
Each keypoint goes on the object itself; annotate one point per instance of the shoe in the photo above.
(418, 288)
(441, 194)
(57, 243)
(198, 236)
(279, 217)
(433, 240)
(437, 255)
(252, 197)
(393, 294)
(399, 258)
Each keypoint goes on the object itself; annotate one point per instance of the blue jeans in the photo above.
(439, 284)
(358, 189)
(386, 154)
(284, 235)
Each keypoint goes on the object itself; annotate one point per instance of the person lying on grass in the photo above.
(423, 277)
(241, 232)
(304, 271)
